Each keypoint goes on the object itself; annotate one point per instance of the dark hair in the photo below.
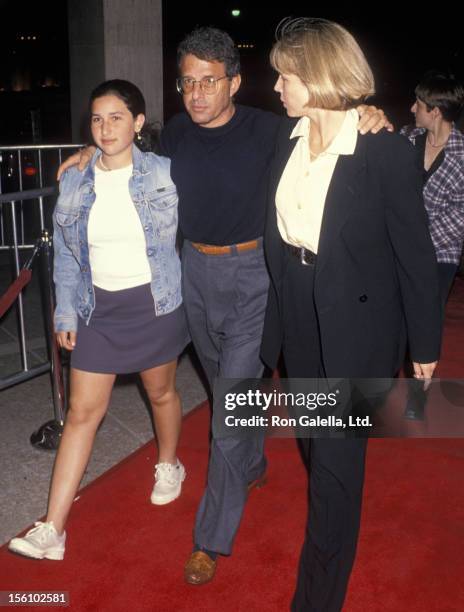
(441, 90)
(133, 98)
(211, 45)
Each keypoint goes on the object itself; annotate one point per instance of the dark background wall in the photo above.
(399, 46)
(34, 74)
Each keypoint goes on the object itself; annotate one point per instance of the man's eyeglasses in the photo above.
(208, 85)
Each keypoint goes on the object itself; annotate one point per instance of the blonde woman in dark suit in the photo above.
(352, 268)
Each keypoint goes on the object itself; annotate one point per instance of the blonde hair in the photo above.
(326, 58)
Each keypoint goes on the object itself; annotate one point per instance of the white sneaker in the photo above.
(40, 542)
(168, 482)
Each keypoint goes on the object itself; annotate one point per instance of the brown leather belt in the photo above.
(306, 257)
(212, 249)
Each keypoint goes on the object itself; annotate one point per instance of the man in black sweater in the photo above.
(220, 156)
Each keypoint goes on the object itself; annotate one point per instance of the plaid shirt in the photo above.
(444, 197)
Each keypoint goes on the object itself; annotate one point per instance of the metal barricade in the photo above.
(24, 168)
(12, 199)
(47, 436)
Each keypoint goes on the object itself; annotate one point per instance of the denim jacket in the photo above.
(155, 199)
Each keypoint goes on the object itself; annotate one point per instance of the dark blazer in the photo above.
(376, 283)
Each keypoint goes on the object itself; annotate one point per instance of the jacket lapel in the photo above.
(343, 192)
(284, 149)
(273, 242)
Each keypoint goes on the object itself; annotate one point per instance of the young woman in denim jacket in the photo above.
(119, 306)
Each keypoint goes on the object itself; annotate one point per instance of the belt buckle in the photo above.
(303, 257)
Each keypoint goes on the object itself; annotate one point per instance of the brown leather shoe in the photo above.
(257, 483)
(200, 568)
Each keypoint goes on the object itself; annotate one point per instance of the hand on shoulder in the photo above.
(81, 159)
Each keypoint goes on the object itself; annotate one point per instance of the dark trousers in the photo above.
(225, 299)
(336, 466)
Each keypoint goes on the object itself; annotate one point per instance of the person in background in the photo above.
(440, 149)
(118, 300)
(352, 266)
(440, 152)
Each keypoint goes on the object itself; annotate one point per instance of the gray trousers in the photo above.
(225, 299)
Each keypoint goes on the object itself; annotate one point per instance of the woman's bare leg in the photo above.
(89, 399)
(159, 384)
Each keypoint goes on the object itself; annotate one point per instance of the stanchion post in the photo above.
(48, 435)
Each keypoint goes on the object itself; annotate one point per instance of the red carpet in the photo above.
(125, 554)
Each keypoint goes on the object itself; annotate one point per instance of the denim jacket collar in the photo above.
(139, 162)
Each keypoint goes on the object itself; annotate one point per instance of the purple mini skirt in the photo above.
(124, 335)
